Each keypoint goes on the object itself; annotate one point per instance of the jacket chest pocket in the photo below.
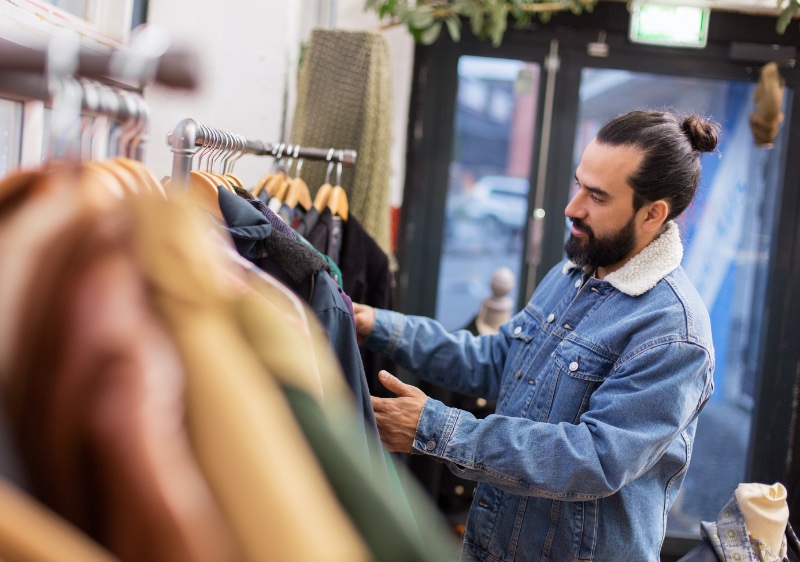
(526, 339)
(578, 372)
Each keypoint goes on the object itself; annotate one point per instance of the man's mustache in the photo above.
(580, 225)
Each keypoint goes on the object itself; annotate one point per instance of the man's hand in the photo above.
(397, 417)
(365, 320)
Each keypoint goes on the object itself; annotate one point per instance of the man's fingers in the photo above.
(364, 317)
(397, 386)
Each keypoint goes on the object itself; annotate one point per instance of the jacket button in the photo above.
(551, 317)
(517, 330)
(518, 374)
(430, 445)
(573, 366)
(577, 283)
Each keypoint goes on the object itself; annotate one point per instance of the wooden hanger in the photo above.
(324, 192)
(143, 175)
(223, 181)
(261, 183)
(275, 183)
(101, 176)
(281, 191)
(267, 178)
(298, 194)
(337, 202)
(322, 197)
(203, 193)
(234, 179)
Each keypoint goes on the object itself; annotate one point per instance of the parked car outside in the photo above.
(499, 203)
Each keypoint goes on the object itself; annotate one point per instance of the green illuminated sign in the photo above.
(669, 25)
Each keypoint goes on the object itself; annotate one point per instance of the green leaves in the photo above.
(788, 11)
(488, 19)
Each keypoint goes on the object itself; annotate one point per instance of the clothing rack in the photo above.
(97, 98)
(77, 82)
(188, 135)
(134, 68)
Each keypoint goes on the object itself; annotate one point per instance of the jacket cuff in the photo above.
(386, 333)
(436, 425)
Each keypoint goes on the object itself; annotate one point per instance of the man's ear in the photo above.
(655, 215)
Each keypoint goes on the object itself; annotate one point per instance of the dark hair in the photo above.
(670, 168)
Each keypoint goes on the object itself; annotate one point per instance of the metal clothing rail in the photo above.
(97, 98)
(189, 134)
(128, 66)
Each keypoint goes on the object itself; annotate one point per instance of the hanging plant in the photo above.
(789, 9)
(487, 18)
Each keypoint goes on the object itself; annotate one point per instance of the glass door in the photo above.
(727, 235)
(488, 184)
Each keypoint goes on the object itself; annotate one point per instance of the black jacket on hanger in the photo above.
(307, 275)
(368, 280)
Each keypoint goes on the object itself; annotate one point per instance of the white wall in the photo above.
(248, 55)
(244, 50)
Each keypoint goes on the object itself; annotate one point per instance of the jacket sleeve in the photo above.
(631, 419)
(457, 361)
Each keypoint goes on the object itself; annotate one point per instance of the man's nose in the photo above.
(575, 208)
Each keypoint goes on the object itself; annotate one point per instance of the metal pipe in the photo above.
(189, 134)
(175, 68)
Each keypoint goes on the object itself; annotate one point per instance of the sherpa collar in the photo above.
(657, 260)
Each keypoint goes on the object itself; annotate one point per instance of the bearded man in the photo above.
(598, 381)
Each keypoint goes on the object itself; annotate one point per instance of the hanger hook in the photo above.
(277, 162)
(339, 168)
(232, 149)
(290, 159)
(205, 146)
(224, 148)
(241, 149)
(131, 123)
(330, 165)
(86, 122)
(299, 165)
(214, 150)
(95, 102)
(142, 125)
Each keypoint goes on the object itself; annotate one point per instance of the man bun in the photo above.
(703, 134)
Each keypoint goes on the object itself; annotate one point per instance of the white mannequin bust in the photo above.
(765, 512)
(496, 309)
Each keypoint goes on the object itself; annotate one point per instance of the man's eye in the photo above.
(596, 199)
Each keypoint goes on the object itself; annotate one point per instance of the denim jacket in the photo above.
(598, 387)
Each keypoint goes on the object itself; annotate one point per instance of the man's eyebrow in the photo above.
(595, 190)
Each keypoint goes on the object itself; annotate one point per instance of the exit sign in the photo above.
(669, 25)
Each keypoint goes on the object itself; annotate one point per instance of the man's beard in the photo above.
(600, 252)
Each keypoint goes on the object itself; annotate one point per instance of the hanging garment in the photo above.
(94, 384)
(29, 532)
(254, 456)
(10, 466)
(306, 274)
(344, 99)
(391, 532)
(368, 280)
(378, 501)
